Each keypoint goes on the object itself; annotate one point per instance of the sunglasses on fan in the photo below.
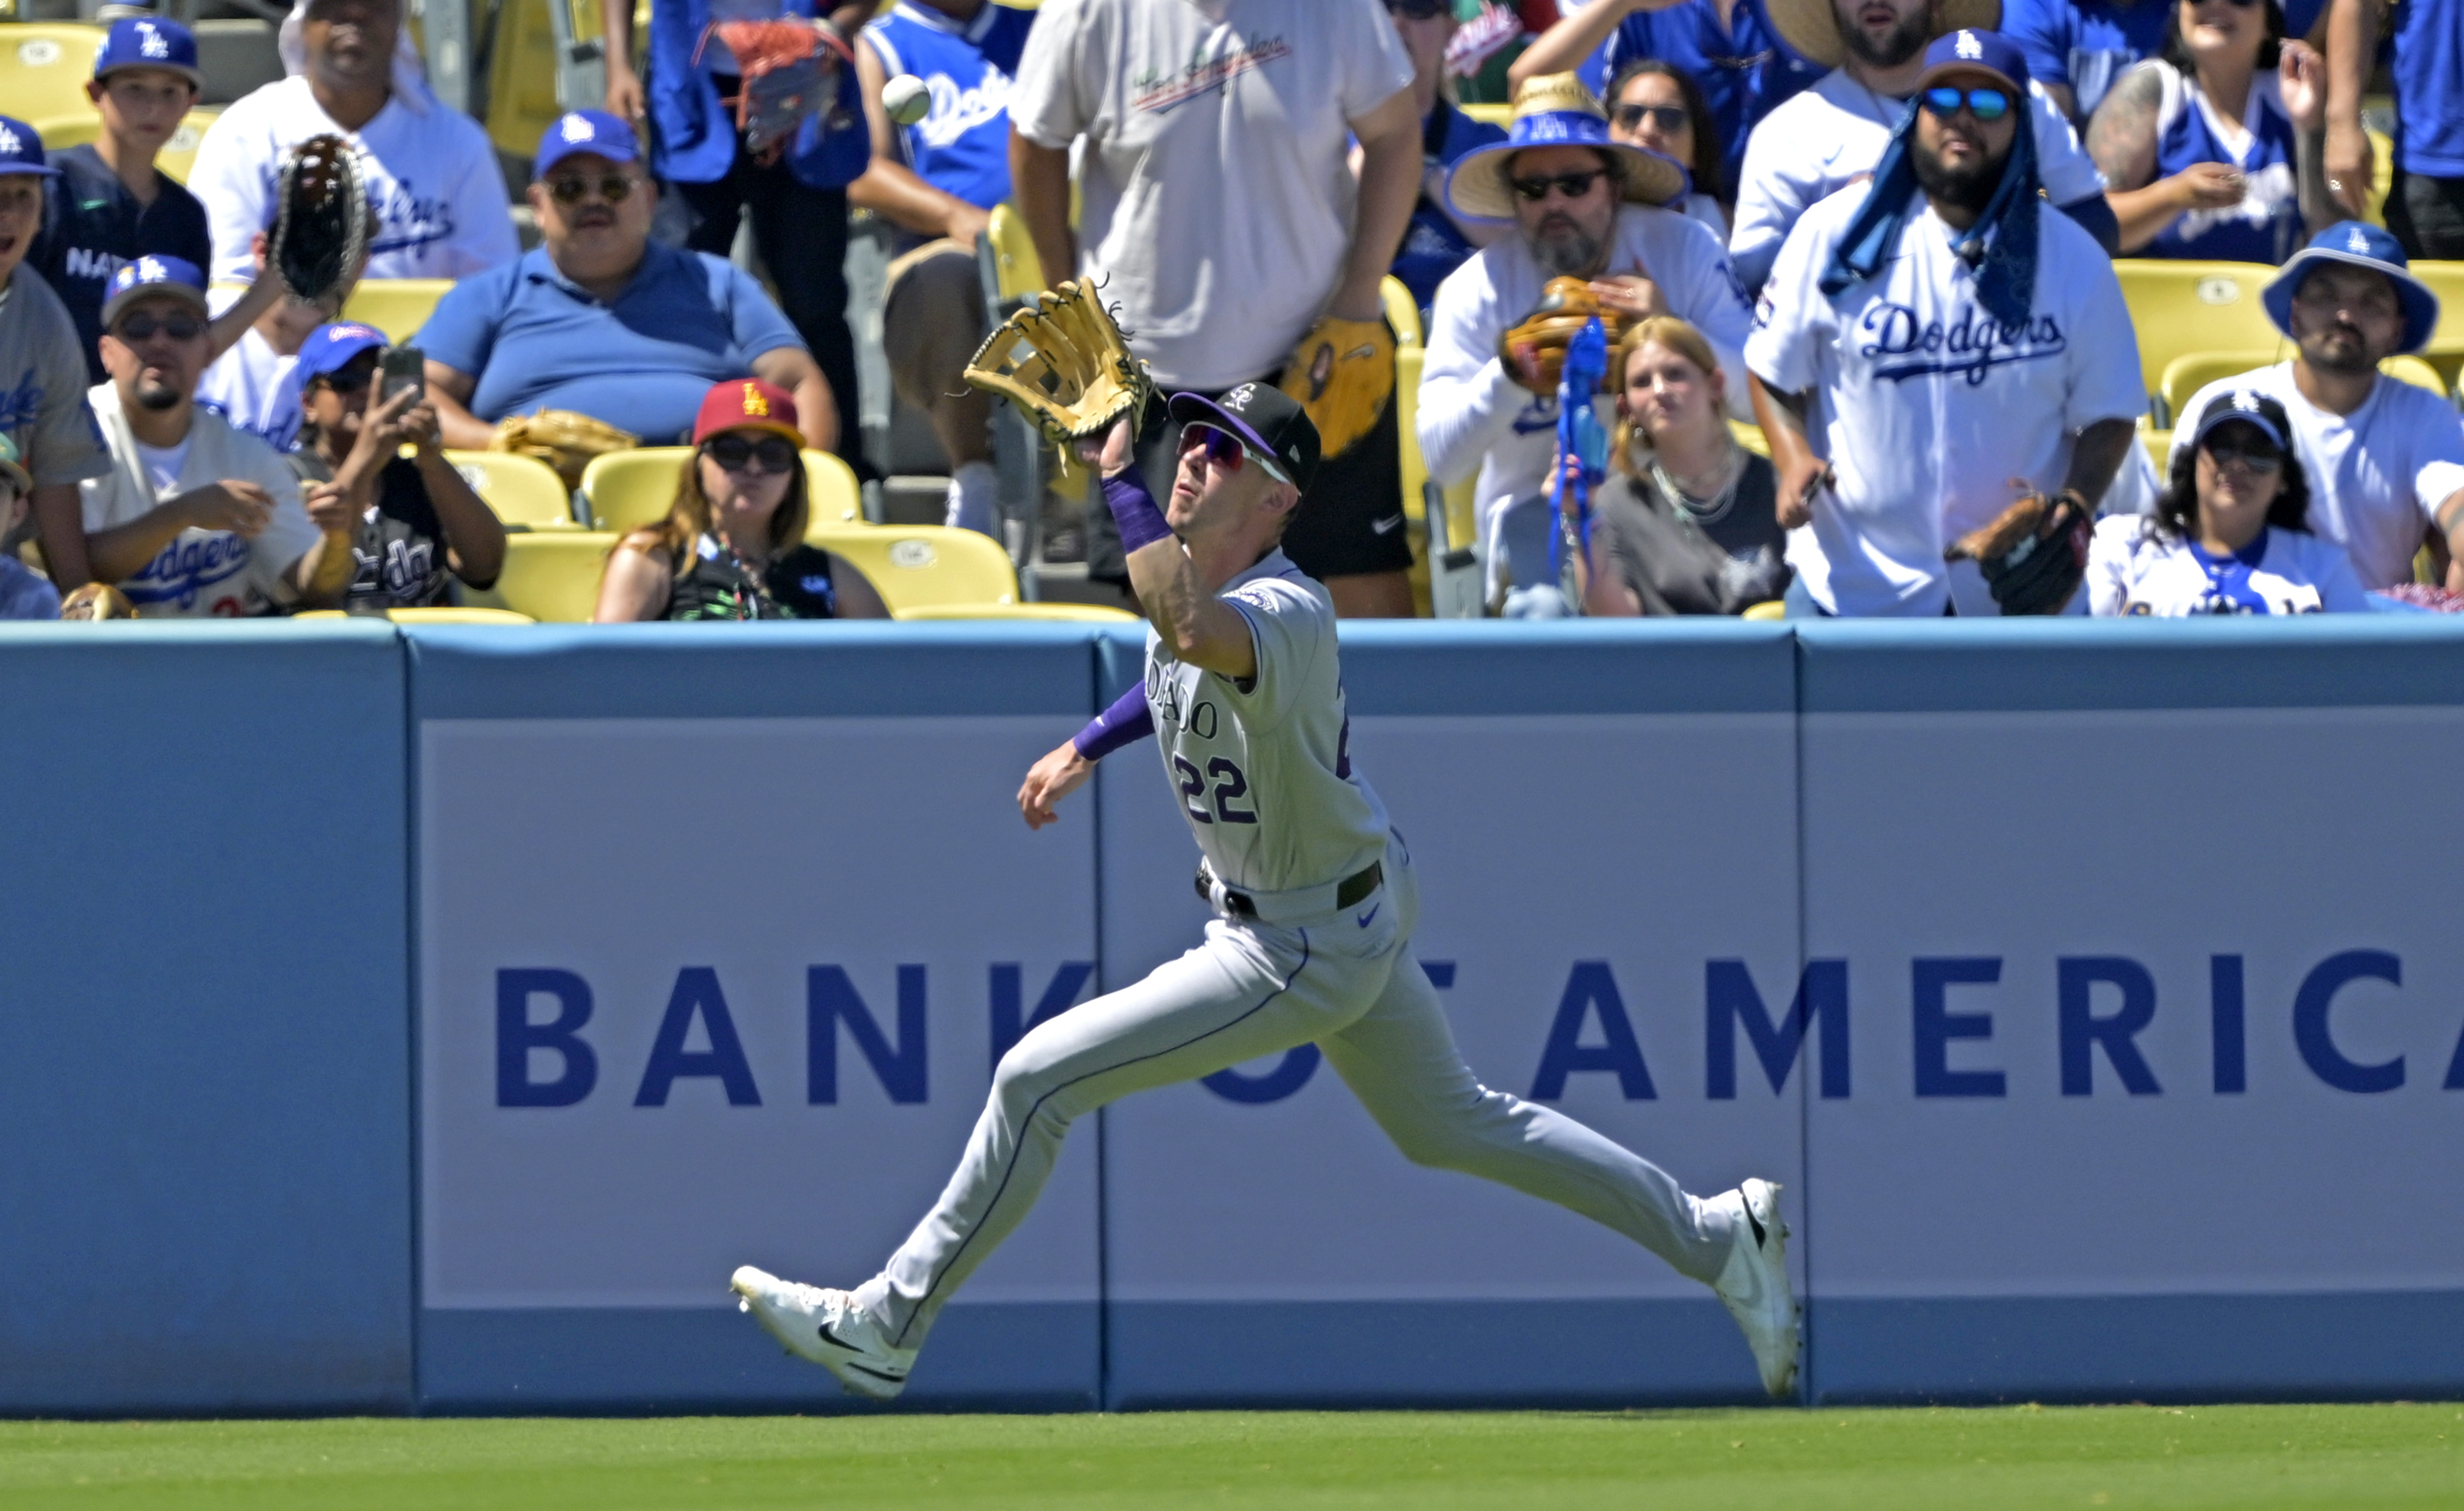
(572, 188)
(736, 453)
(1986, 104)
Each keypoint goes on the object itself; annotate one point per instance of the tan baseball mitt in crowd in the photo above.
(97, 601)
(562, 438)
(1343, 374)
(1535, 351)
(1065, 363)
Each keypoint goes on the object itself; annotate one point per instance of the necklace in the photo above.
(1708, 502)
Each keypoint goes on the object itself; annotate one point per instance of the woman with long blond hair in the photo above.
(733, 546)
(1687, 523)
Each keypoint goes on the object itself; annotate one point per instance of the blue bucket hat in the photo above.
(21, 148)
(145, 42)
(2362, 245)
(1556, 111)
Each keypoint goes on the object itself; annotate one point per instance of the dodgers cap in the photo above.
(146, 42)
(1265, 419)
(330, 348)
(21, 148)
(2246, 407)
(151, 274)
(592, 131)
(1969, 51)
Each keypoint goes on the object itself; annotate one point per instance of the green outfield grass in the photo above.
(2238, 1456)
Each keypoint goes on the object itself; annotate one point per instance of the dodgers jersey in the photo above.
(2266, 226)
(1926, 405)
(961, 146)
(1820, 141)
(2135, 568)
(1263, 774)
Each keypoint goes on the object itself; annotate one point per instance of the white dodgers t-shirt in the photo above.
(1926, 405)
(249, 384)
(2377, 476)
(1216, 188)
(1815, 142)
(431, 176)
(2133, 567)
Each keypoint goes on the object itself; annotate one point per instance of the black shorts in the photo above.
(1350, 523)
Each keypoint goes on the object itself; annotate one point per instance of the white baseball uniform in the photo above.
(2133, 567)
(1263, 777)
(1926, 405)
(2377, 476)
(1820, 139)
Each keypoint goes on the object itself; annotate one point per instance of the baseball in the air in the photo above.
(906, 99)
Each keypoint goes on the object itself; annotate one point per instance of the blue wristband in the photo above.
(1126, 723)
(1133, 510)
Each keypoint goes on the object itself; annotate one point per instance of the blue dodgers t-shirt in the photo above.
(93, 227)
(2088, 44)
(1744, 68)
(2429, 71)
(533, 339)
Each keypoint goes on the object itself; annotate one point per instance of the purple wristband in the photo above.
(1133, 510)
(1125, 723)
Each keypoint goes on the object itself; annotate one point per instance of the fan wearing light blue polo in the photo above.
(2386, 458)
(602, 320)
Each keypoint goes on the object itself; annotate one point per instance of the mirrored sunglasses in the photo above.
(1985, 105)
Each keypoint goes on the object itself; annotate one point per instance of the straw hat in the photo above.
(1812, 27)
(1554, 110)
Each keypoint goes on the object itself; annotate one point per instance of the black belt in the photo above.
(1352, 889)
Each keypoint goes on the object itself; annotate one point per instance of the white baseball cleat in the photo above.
(1754, 1284)
(827, 1328)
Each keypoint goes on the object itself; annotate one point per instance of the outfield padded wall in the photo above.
(2093, 986)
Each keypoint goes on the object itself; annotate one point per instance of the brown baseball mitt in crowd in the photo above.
(2033, 554)
(562, 438)
(1343, 374)
(1535, 351)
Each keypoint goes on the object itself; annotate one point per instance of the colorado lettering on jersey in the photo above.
(187, 568)
(1972, 346)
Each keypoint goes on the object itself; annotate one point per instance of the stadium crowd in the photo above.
(1856, 259)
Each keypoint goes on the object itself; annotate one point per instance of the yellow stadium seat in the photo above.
(1403, 312)
(1751, 437)
(1037, 613)
(179, 154)
(1495, 113)
(44, 67)
(525, 493)
(396, 306)
(2381, 174)
(627, 490)
(551, 575)
(2159, 444)
(2446, 350)
(2182, 307)
(1014, 253)
(2184, 376)
(439, 616)
(1768, 608)
(915, 566)
(1408, 361)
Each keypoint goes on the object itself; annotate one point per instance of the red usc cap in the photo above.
(747, 404)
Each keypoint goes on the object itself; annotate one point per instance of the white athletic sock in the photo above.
(974, 503)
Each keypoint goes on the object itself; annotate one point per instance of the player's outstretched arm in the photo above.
(1195, 625)
(1065, 769)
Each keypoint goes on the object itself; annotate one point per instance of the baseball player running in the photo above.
(1314, 901)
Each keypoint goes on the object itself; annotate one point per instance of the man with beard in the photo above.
(2385, 459)
(194, 519)
(1583, 206)
(1821, 141)
(1931, 344)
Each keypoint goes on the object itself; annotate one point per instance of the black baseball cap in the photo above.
(1266, 419)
